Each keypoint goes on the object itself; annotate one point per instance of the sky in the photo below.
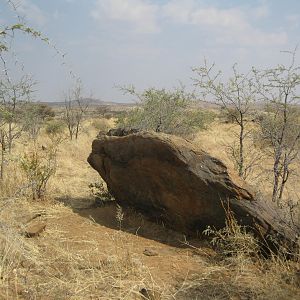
(147, 43)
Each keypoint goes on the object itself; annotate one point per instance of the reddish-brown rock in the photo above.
(168, 179)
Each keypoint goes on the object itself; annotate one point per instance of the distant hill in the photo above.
(90, 102)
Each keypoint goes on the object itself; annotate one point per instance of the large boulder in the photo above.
(168, 179)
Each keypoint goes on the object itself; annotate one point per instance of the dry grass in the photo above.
(58, 265)
(240, 272)
(220, 135)
(61, 265)
(84, 256)
(240, 278)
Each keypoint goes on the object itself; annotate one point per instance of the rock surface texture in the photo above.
(168, 179)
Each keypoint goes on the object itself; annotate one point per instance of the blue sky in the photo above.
(148, 43)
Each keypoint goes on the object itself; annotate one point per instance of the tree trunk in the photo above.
(276, 173)
(77, 130)
(70, 132)
(2, 139)
(10, 138)
(241, 154)
(285, 177)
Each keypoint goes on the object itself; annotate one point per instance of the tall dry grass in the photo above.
(216, 139)
(60, 266)
(63, 265)
(71, 261)
(56, 265)
(240, 271)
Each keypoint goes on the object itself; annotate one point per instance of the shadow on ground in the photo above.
(105, 214)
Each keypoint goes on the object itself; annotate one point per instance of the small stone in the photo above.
(34, 229)
(150, 252)
(147, 294)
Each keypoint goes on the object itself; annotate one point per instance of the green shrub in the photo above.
(101, 124)
(165, 111)
(39, 165)
(54, 127)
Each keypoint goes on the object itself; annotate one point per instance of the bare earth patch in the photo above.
(87, 251)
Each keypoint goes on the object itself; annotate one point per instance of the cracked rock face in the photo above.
(168, 179)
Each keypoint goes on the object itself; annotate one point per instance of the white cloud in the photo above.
(187, 11)
(293, 20)
(261, 11)
(140, 13)
(32, 12)
(228, 25)
(235, 25)
(255, 37)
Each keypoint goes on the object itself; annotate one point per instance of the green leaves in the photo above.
(39, 166)
(166, 111)
(21, 27)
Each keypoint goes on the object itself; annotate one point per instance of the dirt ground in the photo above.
(90, 250)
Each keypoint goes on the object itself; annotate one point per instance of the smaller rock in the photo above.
(34, 229)
(149, 295)
(150, 252)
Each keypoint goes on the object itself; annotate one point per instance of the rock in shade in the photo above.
(168, 179)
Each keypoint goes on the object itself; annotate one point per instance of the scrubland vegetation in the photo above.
(94, 249)
(91, 248)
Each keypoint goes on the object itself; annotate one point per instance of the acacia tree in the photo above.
(13, 96)
(165, 111)
(237, 98)
(13, 93)
(3, 143)
(36, 114)
(13, 99)
(280, 125)
(74, 110)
